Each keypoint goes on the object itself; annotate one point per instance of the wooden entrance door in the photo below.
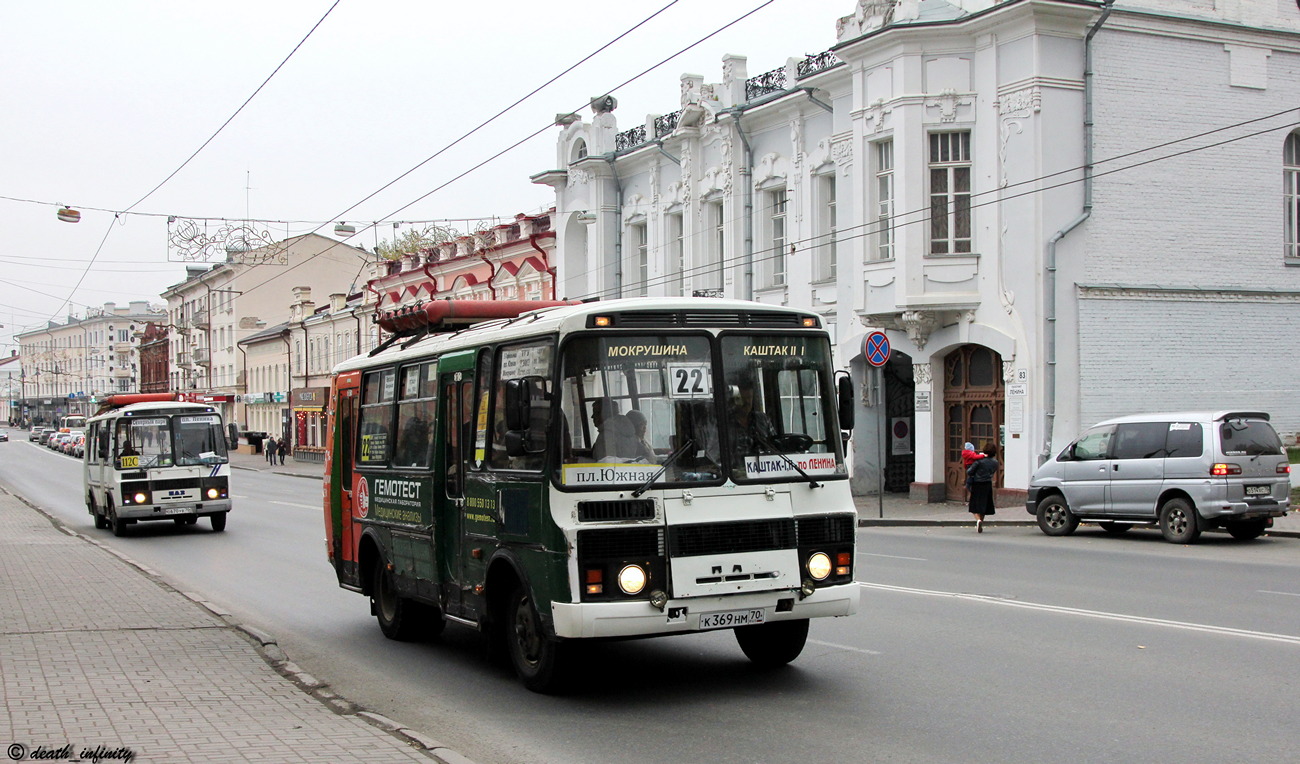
(973, 398)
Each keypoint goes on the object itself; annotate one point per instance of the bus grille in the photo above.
(629, 509)
(818, 531)
(620, 544)
(724, 538)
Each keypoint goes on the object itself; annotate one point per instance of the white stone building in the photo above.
(66, 366)
(1057, 211)
(214, 308)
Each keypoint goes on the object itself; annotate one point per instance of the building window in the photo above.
(1291, 194)
(884, 200)
(826, 238)
(709, 274)
(777, 202)
(950, 168)
(637, 279)
(675, 264)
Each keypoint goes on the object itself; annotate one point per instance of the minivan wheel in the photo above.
(1245, 530)
(1055, 517)
(1179, 522)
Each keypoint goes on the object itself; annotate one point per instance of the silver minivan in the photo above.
(1187, 472)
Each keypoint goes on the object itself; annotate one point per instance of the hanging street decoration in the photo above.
(225, 241)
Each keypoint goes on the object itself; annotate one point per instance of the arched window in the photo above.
(1291, 195)
(579, 150)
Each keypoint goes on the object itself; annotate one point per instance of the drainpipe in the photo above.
(546, 260)
(1049, 285)
(618, 227)
(746, 179)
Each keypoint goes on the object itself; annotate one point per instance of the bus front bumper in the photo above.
(640, 618)
(168, 511)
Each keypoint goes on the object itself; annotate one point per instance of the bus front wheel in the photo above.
(773, 644)
(218, 522)
(539, 660)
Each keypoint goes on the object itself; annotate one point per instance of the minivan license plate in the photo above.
(728, 619)
(1259, 490)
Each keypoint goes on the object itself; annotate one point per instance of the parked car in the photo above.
(34, 434)
(1186, 472)
(4, 436)
(70, 440)
(45, 435)
(55, 441)
(79, 446)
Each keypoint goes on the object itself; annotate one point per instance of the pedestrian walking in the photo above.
(280, 448)
(979, 481)
(968, 457)
(269, 447)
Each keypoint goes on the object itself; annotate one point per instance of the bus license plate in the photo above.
(1259, 490)
(731, 618)
(177, 510)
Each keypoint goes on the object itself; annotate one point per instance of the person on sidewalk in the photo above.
(979, 479)
(269, 446)
(968, 457)
(280, 448)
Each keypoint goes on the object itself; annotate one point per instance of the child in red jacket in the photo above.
(969, 454)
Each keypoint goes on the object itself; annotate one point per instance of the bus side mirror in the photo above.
(844, 391)
(527, 416)
(516, 391)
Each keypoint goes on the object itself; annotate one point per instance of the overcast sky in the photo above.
(103, 100)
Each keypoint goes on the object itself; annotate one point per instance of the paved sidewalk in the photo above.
(101, 660)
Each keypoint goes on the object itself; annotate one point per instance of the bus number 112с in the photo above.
(557, 472)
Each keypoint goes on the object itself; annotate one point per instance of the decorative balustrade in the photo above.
(630, 138)
(666, 124)
(765, 84)
(816, 63)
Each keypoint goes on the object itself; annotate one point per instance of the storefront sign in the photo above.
(309, 398)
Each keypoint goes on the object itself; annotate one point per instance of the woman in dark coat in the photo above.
(979, 477)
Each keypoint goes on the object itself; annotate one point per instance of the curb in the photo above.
(277, 472)
(269, 649)
(875, 522)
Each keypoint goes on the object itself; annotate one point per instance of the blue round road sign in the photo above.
(876, 349)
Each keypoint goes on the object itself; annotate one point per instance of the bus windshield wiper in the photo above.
(770, 446)
(674, 456)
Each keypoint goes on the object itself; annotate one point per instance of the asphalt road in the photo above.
(1007, 646)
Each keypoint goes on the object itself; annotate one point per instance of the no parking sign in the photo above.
(876, 349)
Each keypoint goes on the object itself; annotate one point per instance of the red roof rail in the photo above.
(450, 315)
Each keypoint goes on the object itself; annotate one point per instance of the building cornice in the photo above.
(1185, 294)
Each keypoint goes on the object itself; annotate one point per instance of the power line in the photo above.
(536, 133)
(876, 226)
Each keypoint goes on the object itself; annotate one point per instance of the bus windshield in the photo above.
(170, 441)
(779, 395)
(644, 409)
(631, 404)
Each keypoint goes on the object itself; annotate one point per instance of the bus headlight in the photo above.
(139, 497)
(819, 566)
(632, 579)
(214, 493)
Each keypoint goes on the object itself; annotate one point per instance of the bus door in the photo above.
(339, 501)
(456, 436)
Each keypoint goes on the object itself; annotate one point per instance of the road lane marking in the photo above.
(844, 647)
(1201, 627)
(291, 504)
(892, 556)
(1284, 594)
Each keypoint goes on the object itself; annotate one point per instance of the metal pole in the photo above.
(880, 444)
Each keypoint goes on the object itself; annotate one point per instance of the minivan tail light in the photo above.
(1283, 469)
(1219, 470)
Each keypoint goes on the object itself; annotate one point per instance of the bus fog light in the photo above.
(808, 589)
(658, 599)
(632, 579)
(819, 566)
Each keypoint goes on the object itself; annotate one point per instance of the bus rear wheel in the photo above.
(540, 661)
(399, 618)
(773, 644)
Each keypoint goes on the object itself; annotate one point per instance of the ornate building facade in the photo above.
(1049, 207)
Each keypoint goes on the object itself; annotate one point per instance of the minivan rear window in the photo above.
(1185, 439)
(1248, 437)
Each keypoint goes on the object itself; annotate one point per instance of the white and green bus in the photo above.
(627, 468)
(151, 456)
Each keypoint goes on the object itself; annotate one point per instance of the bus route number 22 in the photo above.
(691, 380)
